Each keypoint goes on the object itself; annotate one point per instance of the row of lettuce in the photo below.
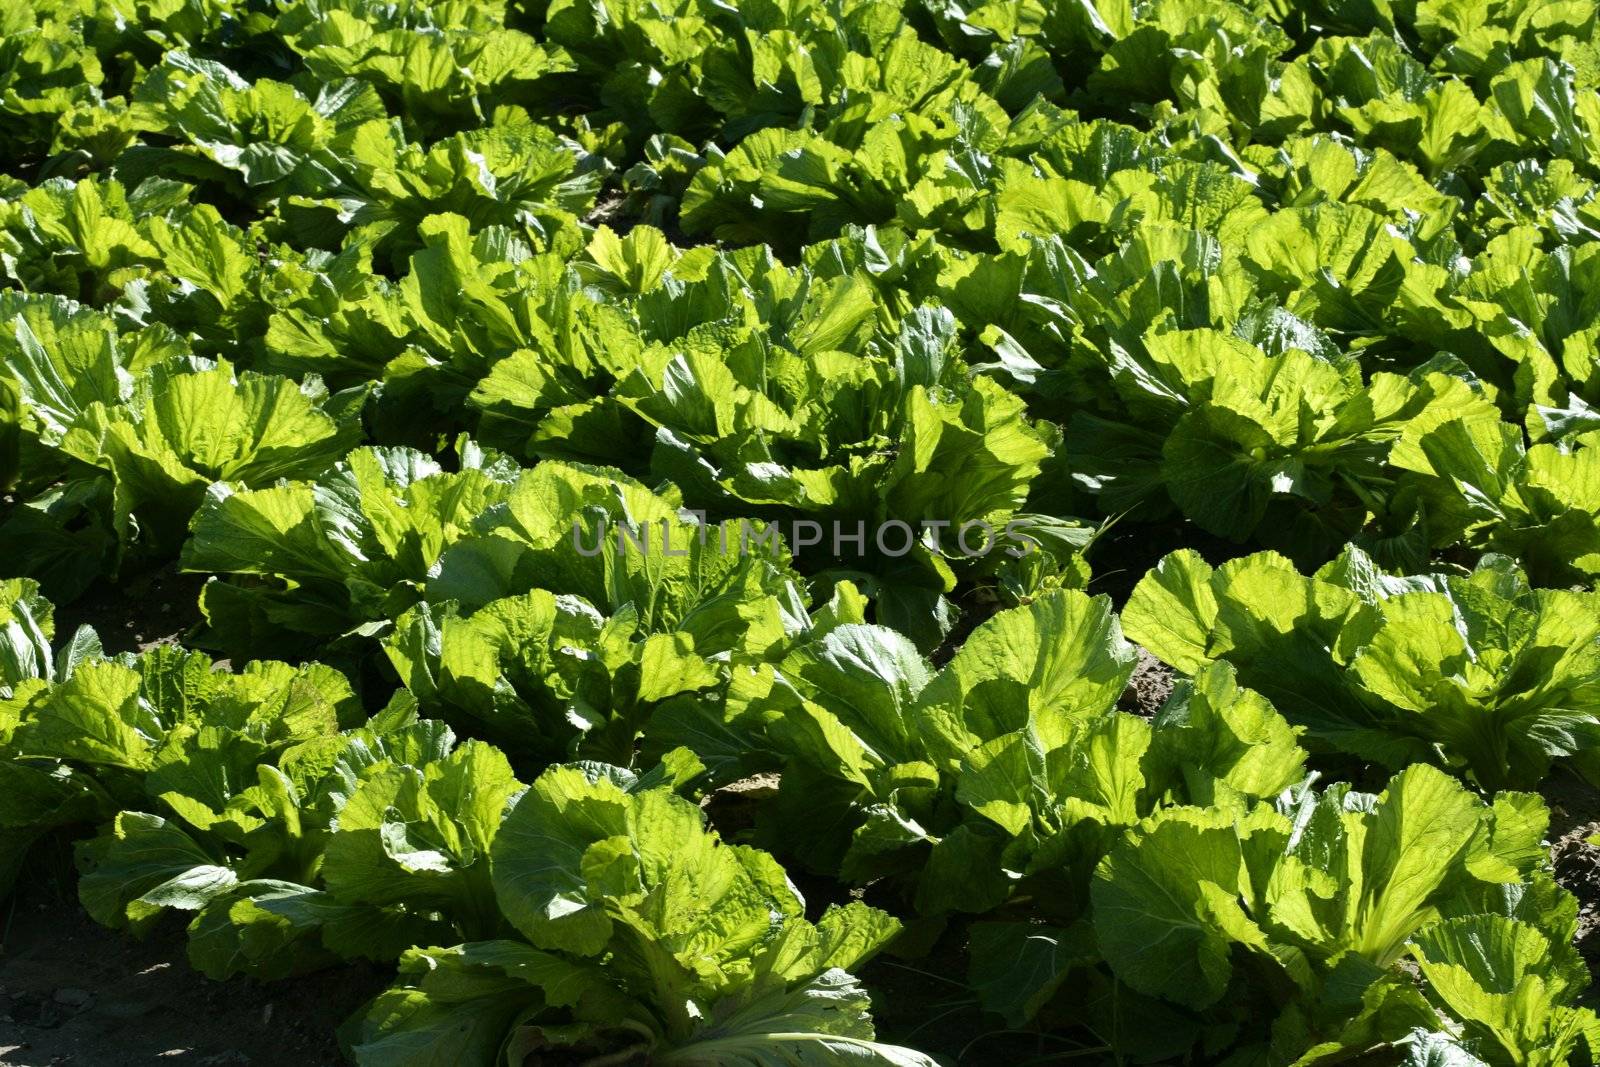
(854, 387)
(783, 122)
(1172, 886)
(314, 546)
(316, 298)
(1298, 277)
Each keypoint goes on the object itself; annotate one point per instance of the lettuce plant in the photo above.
(1478, 672)
(641, 934)
(1296, 922)
(1009, 765)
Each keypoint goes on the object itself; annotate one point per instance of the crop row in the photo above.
(446, 342)
(1186, 869)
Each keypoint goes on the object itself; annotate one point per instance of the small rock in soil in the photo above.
(72, 998)
(39, 1013)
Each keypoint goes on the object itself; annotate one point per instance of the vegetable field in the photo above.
(793, 533)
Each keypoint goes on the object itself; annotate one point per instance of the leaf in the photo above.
(1167, 907)
(144, 864)
(1493, 974)
(94, 716)
(824, 1021)
(26, 625)
(1018, 967)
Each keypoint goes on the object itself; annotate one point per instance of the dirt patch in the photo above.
(1574, 818)
(1149, 687)
(73, 992)
(611, 209)
(140, 612)
(1577, 866)
(733, 808)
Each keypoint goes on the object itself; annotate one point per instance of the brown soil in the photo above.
(1574, 819)
(611, 209)
(73, 992)
(140, 612)
(732, 809)
(1149, 687)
